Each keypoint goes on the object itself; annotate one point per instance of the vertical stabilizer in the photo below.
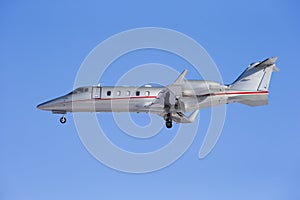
(256, 77)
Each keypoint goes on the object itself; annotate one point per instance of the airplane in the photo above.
(172, 101)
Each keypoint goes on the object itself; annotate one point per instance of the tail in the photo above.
(256, 77)
(255, 80)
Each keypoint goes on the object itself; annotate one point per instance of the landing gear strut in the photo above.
(63, 119)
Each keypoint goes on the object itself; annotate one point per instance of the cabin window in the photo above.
(108, 93)
(137, 93)
(118, 93)
(128, 93)
(147, 93)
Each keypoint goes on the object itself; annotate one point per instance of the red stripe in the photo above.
(230, 93)
(153, 97)
(256, 92)
(137, 97)
(121, 98)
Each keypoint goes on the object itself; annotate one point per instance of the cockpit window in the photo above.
(79, 90)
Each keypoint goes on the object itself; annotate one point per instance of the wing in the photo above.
(165, 101)
(168, 99)
(168, 102)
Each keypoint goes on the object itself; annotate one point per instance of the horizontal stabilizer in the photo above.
(268, 63)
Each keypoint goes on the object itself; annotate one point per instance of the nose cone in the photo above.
(54, 104)
(40, 106)
(46, 105)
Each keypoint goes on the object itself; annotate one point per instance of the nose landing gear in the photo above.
(63, 119)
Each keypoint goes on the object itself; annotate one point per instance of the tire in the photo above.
(63, 120)
(168, 124)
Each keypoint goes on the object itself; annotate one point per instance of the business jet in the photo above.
(172, 101)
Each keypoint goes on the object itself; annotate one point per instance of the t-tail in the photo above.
(251, 87)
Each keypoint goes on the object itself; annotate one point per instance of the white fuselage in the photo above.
(138, 99)
(172, 101)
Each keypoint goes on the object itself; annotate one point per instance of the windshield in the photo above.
(79, 90)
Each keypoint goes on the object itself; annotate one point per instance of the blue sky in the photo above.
(43, 43)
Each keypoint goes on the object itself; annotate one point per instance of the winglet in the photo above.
(193, 116)
(180, 78)
(189, 119)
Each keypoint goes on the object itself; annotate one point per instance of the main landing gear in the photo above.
(63, 119)
(168, 120)
(169, 124)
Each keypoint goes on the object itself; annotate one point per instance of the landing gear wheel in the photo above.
(168, 124)
(63, 120)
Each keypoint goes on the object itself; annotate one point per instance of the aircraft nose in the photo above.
(45, 106)
(57, 104)
(54, 104)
